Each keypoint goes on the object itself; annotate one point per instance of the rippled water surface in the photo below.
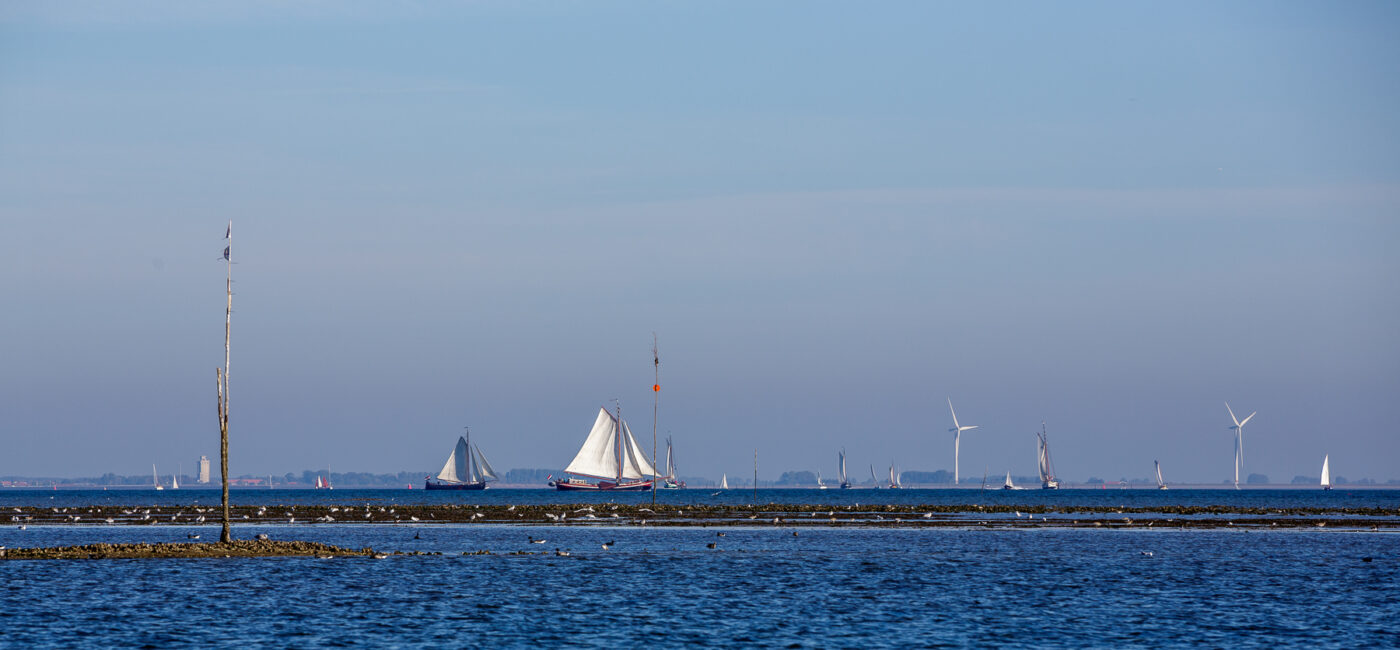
(759, 586)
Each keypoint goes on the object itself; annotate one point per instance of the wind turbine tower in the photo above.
(1239, 441)
(957, 435)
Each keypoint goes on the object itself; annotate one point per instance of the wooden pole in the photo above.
(655, 405)
(225, 535)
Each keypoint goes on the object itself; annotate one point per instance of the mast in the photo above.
(655, 406)
(222, 375)
(617, 441)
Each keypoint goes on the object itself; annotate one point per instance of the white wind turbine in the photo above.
(957, 435)
(1239, 441)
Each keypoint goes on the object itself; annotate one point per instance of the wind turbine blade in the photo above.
(1232, 414)
(969, 428)
(955, 413)
(1247, 419)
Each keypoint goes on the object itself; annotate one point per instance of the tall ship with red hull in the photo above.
(610, 459)
(466, 469)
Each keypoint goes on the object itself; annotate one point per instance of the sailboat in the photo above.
(610, 459)
(1326, 475)
(874, 480)
(1160, 485)
(894, 479)
(669, 481)
(466, 469)
(845, 484)
(155, 478)
(1008, 485)
(1047, 470)
(724, 481)
(174, 481)
(820, 484)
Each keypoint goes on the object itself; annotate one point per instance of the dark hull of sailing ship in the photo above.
(429, 484)
(583, 486)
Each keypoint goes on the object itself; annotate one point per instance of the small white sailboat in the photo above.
(669, 481)
(820, 484)
(1047, 470)
(1008, 485)
(894, 478)
(845, 483)
(155, 478)
(874, 480)
(1326, 474)
(1160, 484)
(174, 481)
(724, 481)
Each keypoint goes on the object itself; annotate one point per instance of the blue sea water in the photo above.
(760, 586)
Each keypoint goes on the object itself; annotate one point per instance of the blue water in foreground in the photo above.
(761, 586)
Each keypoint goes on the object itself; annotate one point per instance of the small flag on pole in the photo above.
(226, 252)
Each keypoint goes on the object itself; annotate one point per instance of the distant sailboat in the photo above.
(669, 481)
(1160, 484)
(1326, 474)
(155, 478)
(611, 457)
(894, 478)
(174, 482)
(724, 481)
(874, 480)
(466, 469)
(1008, 485)
(820, 484)
(844, 484)
(1047, 470)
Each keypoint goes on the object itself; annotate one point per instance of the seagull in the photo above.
(1018, 514)
(191, 536)
(1147, 553)
(537, 541)
(561, 553)
(380, 556)
(261, 537)
(608, 545)
(719, 534)
(710, 545)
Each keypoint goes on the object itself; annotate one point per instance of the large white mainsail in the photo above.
(724, 481)
(600, 458)
(842, 457)
(1160, 484)
(1326, 475)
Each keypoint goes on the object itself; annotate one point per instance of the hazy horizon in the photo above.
(1113, 219)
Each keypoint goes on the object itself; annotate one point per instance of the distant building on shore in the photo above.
(203, 469)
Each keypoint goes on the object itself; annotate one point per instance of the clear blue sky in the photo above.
(1110, 216)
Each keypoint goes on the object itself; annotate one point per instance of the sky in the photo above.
(1108, 217)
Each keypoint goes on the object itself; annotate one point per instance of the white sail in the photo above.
(155, 478)
(894, 478)
(457, 469)
(842, 456)
(484, 472)
(638, 465)
(1008, 483)
(598, 456)
(174, 482)
(1326, 475)
(670, 464)
(1159, 474)
(819, 481)
(724, 481)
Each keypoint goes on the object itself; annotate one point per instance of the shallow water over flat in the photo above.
(758, 586)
